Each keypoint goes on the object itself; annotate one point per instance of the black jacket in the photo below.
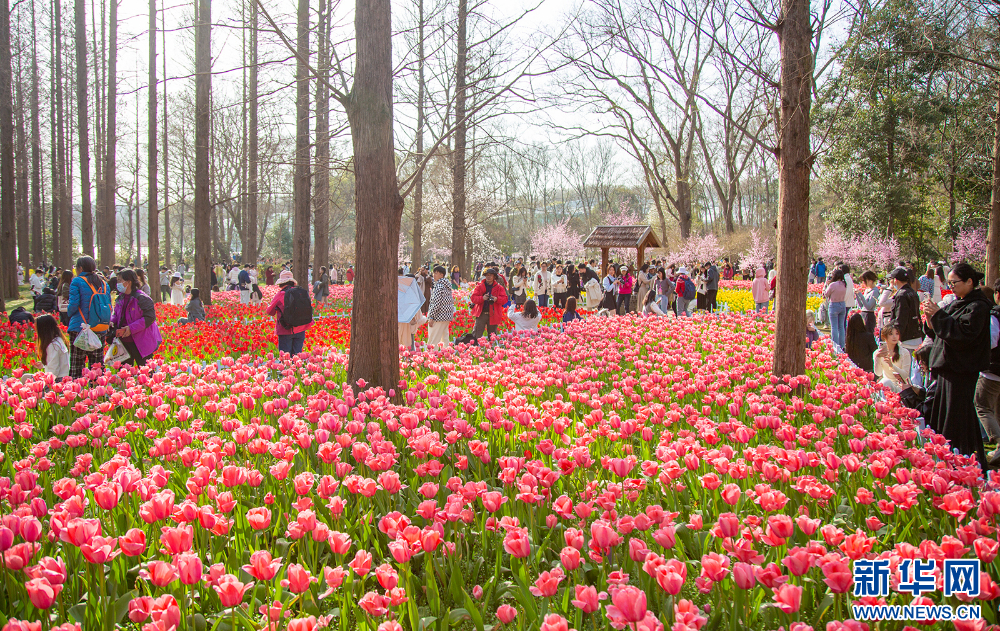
(995, 353)
(961, 334)
(906, 313)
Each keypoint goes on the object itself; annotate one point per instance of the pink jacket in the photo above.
(760, 288)
(275, 308)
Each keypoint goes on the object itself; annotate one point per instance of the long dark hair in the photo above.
(530, 310)
(964, 271)
(570, 304)
(888, 330)
(856, 331)
(838, 275)
(47, 330)
(65, 279)
(650, 297)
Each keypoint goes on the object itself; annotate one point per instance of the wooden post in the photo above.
(639, 257)
(604, 261)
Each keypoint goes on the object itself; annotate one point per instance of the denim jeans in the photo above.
(291, 344)
(838, 323)
(664, 302)
(543, 300)
(761, 306)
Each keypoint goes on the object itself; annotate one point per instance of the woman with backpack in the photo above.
(134, 319)
(685, 292)
(293, 309)
(90, 305)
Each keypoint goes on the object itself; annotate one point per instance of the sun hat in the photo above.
(285, 277)
(682, 270)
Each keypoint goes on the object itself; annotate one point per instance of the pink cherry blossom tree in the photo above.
(761, 251)
(697, 249)
(557, 241)
(969, 246)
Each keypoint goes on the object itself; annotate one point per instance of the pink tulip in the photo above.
(629, 605)
(788, 597)
(262, 567)
(587, 598)
(298, 578)
(231, 590)
(506, 614)
(41, 593)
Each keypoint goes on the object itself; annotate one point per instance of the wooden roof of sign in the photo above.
(622, 237)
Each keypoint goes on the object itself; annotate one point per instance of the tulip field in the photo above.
(626, 473)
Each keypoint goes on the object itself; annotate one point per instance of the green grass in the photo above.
(24, 299)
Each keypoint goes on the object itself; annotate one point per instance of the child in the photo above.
(195, 309)
(52, 345)
(811, 333)
(761, 290)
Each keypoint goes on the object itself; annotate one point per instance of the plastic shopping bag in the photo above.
(116, 353)
(87, 340)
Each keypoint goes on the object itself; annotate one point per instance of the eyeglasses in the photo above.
(952, 283)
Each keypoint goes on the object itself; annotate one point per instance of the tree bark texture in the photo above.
(109, 212)
(37, 244)
(252, 177)
(321, 251)
(8, 219)
(21, 173)
(300, 188)
(202, 204)
(993, 239)
(65, 253)
(794, 165)
(153, 221)
(458, 225)
(166, 144)
(83, 123)
(418, 187)
(374, 355)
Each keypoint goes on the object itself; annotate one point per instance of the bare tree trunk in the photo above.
(37, 245)
(300, 193)
(153, 223)
(107, 249)
(374, 355)
(64, 202)
(418, 186)
(166, 161)
(100, 123)
(252, 186)
(993, 240)
(55, 203)
(794, 165)
(458, 227)
(322, 195)
(21, 166)
(202, 204)
(83, 125)
(8, 218)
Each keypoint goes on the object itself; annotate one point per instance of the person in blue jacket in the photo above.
(821, 271)
(83, 305)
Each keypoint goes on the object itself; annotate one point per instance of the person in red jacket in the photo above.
(488, 300)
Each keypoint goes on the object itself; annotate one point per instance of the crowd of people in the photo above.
(936, 346)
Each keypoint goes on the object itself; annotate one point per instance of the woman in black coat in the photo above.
(960, 350)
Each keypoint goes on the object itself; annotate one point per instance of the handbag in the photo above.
(116, 353)
(87, 340)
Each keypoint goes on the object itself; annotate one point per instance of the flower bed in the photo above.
(629, 473)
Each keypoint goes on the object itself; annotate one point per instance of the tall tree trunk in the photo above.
(300, 192)
(794, 165)
(458, 227)
(153, 223)
(100, 123)
(21, 166)
(252, 195)
(65, 217)
(202, 204)
(107, 250)
(55, 204)
(83, 125)
(322, 195)
(418, 186)
(166, 161)
(37, 244)
(8, 218)
(374, 354)
(993, 240)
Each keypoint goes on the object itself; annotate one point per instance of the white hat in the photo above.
(682, 270)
